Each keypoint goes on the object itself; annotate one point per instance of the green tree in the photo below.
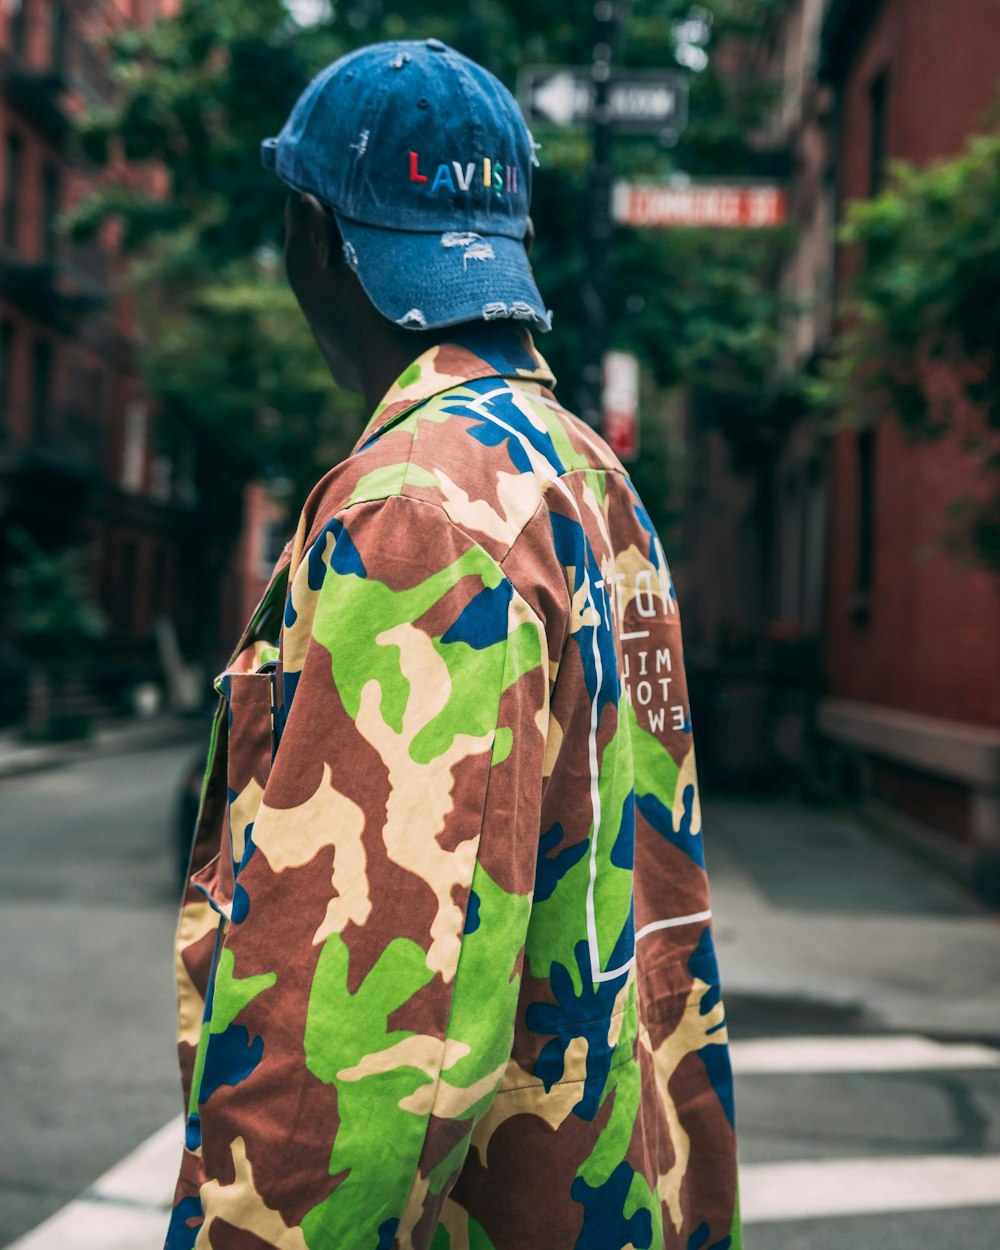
(55, 624)
(225, 348)
(923, 335)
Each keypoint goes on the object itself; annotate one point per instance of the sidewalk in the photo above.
(112, 738)
(820, 921)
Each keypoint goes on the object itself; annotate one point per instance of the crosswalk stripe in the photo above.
(819, 1189)
(126, 1209)
(128, 1206)
(86, 1225)
(901, 1053)
(147, 1175)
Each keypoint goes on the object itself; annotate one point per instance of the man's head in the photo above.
(411, 172)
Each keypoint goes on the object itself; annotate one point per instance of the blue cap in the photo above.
(425, 159)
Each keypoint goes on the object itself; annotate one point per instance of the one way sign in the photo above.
(654, 99)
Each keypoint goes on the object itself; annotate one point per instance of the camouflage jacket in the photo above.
(445, 960)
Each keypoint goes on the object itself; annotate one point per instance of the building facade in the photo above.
(833, 636)
(912, 634)
(85, 460)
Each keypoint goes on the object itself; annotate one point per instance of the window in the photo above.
(19, 27)
(12, 184)
(41, 388)
(6, 359)
(50, 211)
(162, 581)
(126, 588)
(866, 517)
(133, 473)
(274, 538)
(60, 39)
(878, 119)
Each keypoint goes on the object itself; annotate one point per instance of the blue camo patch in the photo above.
(585, 1015)
(503, 352)
(659, 817)
(574, 551)
(240, 908)
(344, 559)
(703, 965)
(550, 869)
(387, 1234)
(515, 430)
(181, 1235)
(230, 1057)
(604, 1224)
(492, 435)
(623, 851)
(483, 620)
(289, 685)
(699, 1239)
(642, 516)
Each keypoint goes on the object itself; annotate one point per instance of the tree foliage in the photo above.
(923, 334)
(225, 348)
(53, 613)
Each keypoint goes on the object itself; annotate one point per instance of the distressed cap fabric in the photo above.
(425, 160)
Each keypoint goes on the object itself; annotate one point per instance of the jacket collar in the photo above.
(486, 352)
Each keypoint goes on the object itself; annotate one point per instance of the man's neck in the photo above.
(389, 350)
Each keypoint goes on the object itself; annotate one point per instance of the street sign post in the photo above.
(719, 205)
(620, 404)
(637, 100)
(605, 99)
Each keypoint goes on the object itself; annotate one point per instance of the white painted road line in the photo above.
(98, 1226)
(834, 1187)
(128, 1208)
(769, 1192)
(147, 1176)
(902, 1053)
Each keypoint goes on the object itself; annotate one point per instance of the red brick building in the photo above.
(84, 460)
(829, 634)
(912, 638)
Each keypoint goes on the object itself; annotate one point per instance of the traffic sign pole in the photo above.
(600, 226)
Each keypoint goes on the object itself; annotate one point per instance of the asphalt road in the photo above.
(828, 932)
(823, 933)
(87, 909)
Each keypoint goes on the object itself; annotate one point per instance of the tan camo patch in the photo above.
(289, 837)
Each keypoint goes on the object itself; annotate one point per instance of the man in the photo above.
(445, 959)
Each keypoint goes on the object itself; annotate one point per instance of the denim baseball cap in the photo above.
(425, 160)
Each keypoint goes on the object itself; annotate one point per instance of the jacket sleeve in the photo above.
(365, 994)
(685, 1029)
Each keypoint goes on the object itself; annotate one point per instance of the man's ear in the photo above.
(529, 236)
(321, 229)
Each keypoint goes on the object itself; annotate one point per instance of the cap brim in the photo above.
(426, 281)
(269, 153)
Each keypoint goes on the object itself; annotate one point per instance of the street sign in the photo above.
(749, 206)
(638, 100)
(620, 403)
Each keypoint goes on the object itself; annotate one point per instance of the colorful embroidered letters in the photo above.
(460, 176)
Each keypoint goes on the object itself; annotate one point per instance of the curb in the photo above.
(20, 759)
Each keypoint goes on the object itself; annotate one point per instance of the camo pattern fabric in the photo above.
(445, 960)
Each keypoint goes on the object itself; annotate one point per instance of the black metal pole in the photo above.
(597, 284)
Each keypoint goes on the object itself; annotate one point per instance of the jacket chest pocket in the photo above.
(250, 752)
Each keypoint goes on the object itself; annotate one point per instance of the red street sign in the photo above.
(699, 204)
(620, 403)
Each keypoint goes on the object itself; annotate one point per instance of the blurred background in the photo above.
(769, 231)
